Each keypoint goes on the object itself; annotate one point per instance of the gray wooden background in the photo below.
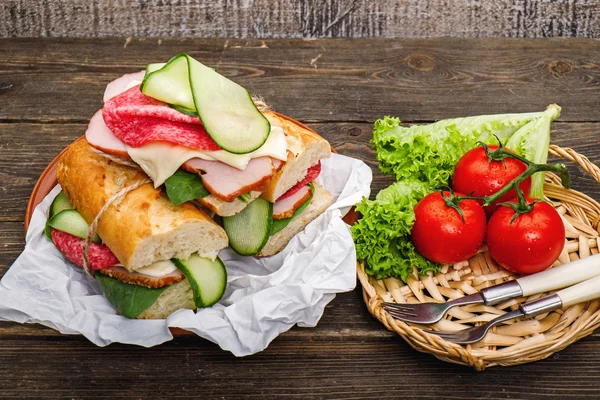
(300, 18)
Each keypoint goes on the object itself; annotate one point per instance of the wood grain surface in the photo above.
(300, 18)
(50, 87)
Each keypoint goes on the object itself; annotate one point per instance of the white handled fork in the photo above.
(580, 293)
(551, 279)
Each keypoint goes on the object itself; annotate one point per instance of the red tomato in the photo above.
(531, 243)
(439, 232)
(475, 174)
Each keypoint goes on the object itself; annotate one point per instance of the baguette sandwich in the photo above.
(157, 160)
(156, 257)
(203, 137)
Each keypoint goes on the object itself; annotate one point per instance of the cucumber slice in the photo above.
(170, 84)
(225, 108)
(249, 230)
(60, 202)
(183, 110)
(72, 222)
(153, 67)
(207, 278)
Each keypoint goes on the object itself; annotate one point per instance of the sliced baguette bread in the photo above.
(143, 226)
(177, 296)
(305, 149)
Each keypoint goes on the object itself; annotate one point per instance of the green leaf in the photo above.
(382, 234)
(184, 186)
(532, 142)
(280, 224)
(129, 300)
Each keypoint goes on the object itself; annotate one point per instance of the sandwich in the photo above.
(155, 257)
(204, 139)
(173, 147)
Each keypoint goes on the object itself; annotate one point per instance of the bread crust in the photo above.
(305, 149)
(144, 214)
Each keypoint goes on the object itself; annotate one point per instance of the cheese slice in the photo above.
(160, 160)
(165, 267)
(158, 269)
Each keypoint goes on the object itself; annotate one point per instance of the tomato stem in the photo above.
(453, 201)
(499, 155)
(521, 207)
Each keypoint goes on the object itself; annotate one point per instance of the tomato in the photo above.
(439, 232)
(475, 174)
(531, 243)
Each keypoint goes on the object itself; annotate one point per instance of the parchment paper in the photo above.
(264, 296)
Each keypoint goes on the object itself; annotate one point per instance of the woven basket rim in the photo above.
(586, 316)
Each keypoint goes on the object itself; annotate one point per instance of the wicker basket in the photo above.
(514, 342)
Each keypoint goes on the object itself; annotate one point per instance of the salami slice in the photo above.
(137, 119)
(311, 174)
(100, 256)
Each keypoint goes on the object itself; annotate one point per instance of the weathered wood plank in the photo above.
(419, 80)
(300, 18)
(290, 368)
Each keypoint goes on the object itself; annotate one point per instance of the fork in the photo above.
(551, 279)
(580, 293)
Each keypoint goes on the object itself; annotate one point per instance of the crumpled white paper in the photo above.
(264, 297)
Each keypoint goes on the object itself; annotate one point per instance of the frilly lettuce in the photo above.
(422, 158)
(381, 235)
(430, 152)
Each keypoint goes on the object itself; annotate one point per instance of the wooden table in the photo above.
(50, 88)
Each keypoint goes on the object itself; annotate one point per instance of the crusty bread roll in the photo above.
(321, 200)
(305, 149)
(142, 227)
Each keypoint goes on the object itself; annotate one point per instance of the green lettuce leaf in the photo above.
(429, 152)
(129, 300)
(381, 235)
(185, 186)
(531, 142)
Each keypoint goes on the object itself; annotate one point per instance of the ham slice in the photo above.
(311, 174)
(148, 281)
(227, 183)
(137, 119)
(285, 208)
(99, 136)
(121, 84)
